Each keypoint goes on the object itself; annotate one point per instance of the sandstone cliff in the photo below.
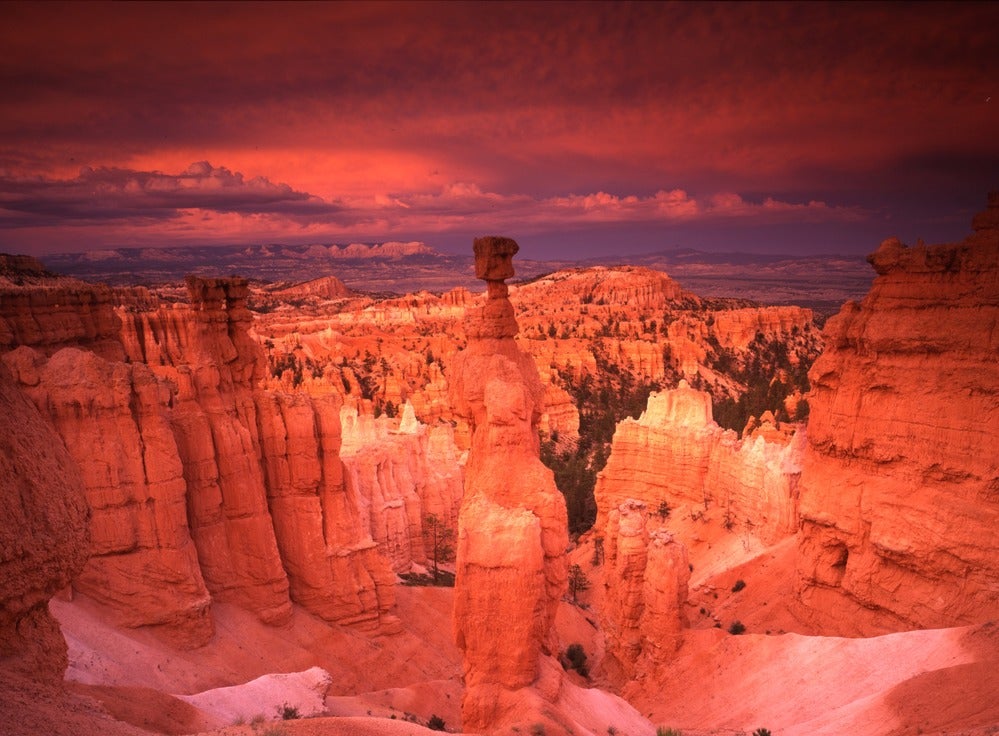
(43, 535)
(675, 453)
(511, 562)
(900, 480)
(202, 486)
(646, 577)
(401, 472)
(111, 416)
(675, 460)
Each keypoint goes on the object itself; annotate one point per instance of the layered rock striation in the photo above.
(900, 478)
(401, 473)
(675, 453)
(646, 577)
(512, 529)
(675, 459)
(201, 485)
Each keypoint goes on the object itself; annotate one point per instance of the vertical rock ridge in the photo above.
(512, 528)
(900, 477)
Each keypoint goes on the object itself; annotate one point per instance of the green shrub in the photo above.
(736, 627)
(739, 585)
(663, 731)
(761, 732)
(288, 712)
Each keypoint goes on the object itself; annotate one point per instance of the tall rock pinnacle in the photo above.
(512, 528)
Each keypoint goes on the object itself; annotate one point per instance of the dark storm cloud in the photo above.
(400, 115)
(119, 194)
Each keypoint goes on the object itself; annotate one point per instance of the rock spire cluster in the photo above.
(512, 528)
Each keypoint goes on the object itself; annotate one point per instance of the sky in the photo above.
(579, 129)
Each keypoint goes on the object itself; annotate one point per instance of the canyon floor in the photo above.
(130, 682)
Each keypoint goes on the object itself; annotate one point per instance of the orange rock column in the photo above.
(512, 528)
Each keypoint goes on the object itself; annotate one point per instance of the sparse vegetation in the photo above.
(439, 538)
(739, 585)
(288, 712)
(761, 732)
(598, 551)
(578, 582)
(663, 731)
(736, 627)
(575, 659)
(603, 399)
(436, 723)
(538, 729)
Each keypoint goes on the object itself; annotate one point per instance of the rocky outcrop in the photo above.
(675, 460)
(675, 453)
(325, 287)
(900, 479)
(512, 529)
(51, 317)
(401, 472)
(737, 328)
(641, 288)
(334, 567)
(44, 538)
(646, 580)
(215, 423)
(112, 418)
(202, 485)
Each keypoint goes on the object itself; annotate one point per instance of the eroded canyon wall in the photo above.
(44, 537)
(402, 472)
(900, 478)
(202, 485)
(675, 453)
(674, 459)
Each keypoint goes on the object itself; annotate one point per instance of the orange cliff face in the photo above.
(511, 566)
(672, 464)
(44, 538)
(900, 479)
(401, 473)
(675, 453)
(201, 485)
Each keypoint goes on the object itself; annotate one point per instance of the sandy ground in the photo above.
(130, 683)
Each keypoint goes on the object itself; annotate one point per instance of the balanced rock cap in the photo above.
(494, 257)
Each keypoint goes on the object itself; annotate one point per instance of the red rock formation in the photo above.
(334, 568)
(214, 421)
(900, 480)
(675, 453)
(50, 317)
(112, 418)
(43, 535)
(511, 564)
(646, 578)
(179, 445)
(400, 472)
(641, 288)
(325, 287)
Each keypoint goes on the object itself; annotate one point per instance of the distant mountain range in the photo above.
(821, 282)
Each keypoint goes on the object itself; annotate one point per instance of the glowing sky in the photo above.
(576, 128)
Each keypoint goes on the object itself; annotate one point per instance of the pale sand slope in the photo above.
(934, 681)
(930, 681)
(243, 649)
